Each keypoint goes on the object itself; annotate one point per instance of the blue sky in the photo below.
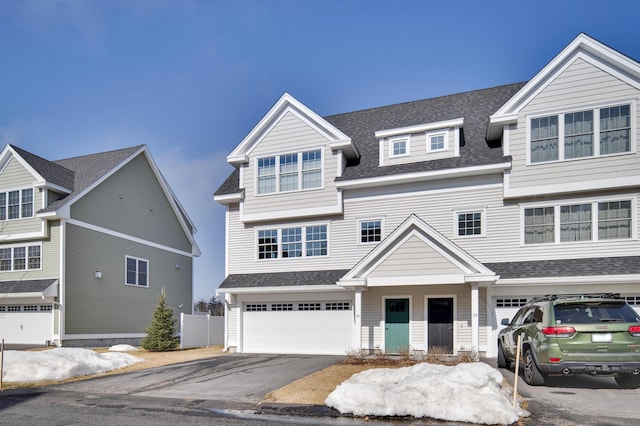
(191, 78)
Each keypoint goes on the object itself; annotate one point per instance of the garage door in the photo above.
(503, 307)
(297, 328)
(26, 324)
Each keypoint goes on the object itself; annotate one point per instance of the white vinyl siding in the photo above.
(317, 170)
(581, 87)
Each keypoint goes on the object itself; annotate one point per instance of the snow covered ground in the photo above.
(468, 392)
(63, 363)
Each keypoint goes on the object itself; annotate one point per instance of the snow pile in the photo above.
(468, 392)
(60, 363)
(122, 348)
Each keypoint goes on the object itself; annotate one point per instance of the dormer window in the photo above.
(294, 171)
(437, 141)
(16, 204)
(399, 146)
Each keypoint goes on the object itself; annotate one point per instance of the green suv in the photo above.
(597, 334)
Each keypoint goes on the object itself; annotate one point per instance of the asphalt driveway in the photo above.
(232, 380)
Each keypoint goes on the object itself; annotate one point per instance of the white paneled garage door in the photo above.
(26, 324)
(297, 328)
(503, 307)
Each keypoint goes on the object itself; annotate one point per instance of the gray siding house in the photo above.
(86, 245)
(423, 224)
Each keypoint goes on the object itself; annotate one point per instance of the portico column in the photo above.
(475, 323)
(357, 320)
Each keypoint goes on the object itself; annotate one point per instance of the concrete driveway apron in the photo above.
(235, 380)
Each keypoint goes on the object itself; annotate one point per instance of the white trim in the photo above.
(63, 278)
(23, 236)
(397, 139)
(104, 336)
(282, 289)
(359, 230)
(422, 176)
(339, 162)
(445, 143)
(288, 214)
(416, 280)
(454, 319)
(483, 222)
(506, 140)
(229, 198)
(126, 237)
(571, 187)
(456, 142)
(227, 240)
(457, 122)
(422, 192)
(381, 152)
(383, 321)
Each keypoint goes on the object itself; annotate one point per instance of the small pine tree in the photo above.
(161, 335)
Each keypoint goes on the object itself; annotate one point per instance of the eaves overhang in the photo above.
(404, 178)
(236, 197)
(281, 289)
(574, 280)
(457, 122)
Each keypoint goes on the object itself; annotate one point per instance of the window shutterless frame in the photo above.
(289, 172)
(399, 146)
(136, 272)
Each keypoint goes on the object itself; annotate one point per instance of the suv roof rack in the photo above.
(577, 296)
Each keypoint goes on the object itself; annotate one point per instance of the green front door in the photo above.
(396, 335)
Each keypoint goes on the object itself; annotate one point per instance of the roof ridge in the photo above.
(425, 99)
(135, 147)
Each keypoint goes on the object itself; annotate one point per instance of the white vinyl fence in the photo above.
(197, 331)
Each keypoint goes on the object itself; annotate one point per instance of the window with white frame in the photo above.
(470, 223)
(289, 172)
(580, 134)
(301, 241)
(585, 221)
(399, 147)
(437, 141)
(16, 204)
(20, 258)
(137, 271)
(370, 231)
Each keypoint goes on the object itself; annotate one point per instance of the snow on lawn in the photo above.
(122, 348)
(60, 363)
(467, 392)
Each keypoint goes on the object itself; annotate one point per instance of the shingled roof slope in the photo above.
(474, 107)
(50, 171)
(281, 279)
(26, 286)
(624, 265)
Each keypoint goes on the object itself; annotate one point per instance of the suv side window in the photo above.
(537, 315)
(517, 319)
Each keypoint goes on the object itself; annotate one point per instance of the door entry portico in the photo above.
(440, 327)
(396, 335)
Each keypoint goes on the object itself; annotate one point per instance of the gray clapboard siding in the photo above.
(107, 305)
(290, 135)
(581, 85)
(132, 202)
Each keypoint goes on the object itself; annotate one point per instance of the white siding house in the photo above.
(422, 225)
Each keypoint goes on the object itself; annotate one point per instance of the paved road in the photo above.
(579, 400)
(232, 381)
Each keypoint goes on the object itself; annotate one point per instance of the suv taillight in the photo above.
(558, 331)
(634, 330)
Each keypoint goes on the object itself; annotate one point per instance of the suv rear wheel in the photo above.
(502, 361)
(532, 376)
(628, 381)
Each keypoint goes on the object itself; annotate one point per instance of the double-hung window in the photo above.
(289, 172)
(16, 204)
(20, 258)
(586, 221)
(137, 271)
(302, 241)
(579, 134)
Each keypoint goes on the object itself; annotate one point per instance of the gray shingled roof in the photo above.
(475, 107)
(567, 267)
(50, 171)
(26, 286)
(281, 279)
(88, 169)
